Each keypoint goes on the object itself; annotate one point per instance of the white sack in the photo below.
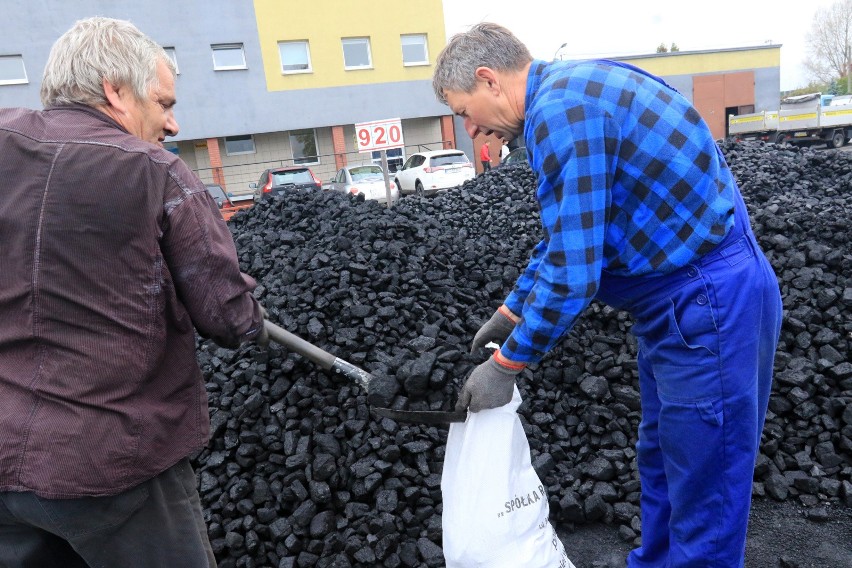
(495, 510)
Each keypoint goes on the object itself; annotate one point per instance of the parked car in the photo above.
(274, 181)
(425, 173)
(218, 194)
(368, 180)
(223, 200)
(516, 156)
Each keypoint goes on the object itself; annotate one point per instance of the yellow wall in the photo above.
(323, 23)
(710, 62)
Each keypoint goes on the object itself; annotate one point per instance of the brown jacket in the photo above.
(111, 253)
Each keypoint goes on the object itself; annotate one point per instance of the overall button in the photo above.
(692, 272)
(701, 299)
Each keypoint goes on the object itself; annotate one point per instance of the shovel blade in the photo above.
(421, 416)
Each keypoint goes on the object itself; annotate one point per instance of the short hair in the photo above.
(100, 48)
(484, 45)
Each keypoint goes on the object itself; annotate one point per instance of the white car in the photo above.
(426, 173)
(367, 180)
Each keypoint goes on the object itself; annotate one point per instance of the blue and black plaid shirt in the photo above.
(630, 181)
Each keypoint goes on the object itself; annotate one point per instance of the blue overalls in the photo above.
(707, 336)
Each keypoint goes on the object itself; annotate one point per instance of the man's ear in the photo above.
(489, 77)
(114, 96)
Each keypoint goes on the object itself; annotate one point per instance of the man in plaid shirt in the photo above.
(639, 210)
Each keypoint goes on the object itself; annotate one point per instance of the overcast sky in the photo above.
(609, 28)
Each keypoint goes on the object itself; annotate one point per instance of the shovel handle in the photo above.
(295, 343)
(313, 353)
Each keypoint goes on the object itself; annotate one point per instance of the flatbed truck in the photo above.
(800, 120)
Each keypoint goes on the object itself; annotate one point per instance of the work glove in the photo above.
(497, 329)
(490, 385)
(262, 338)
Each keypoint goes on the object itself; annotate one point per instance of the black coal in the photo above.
(299, 473)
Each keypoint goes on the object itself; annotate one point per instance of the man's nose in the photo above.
(471, 128)
(172, 127)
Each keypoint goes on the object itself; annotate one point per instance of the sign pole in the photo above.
(387, 177)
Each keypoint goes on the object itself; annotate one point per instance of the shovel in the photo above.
(329, 362)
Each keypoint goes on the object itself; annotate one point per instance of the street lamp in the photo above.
(558, 50)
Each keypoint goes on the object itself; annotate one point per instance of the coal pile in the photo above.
(801, 206)
(299, 473)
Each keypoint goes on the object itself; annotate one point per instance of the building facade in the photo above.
(265, 83)
(268, 83)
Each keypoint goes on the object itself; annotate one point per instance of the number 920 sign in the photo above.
(379, 135)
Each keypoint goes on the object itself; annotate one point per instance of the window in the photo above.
(12, 71)
(295, 57)
(366, 173)
(448, 160)
(356, 53)
(414, 161)
(228, 56)
(170, 51)
(284, 177)
(236, 145)
(395, 158)
(414, 50)
(304, 146)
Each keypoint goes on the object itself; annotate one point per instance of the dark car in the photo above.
(516, 156)
(218, 194)
(223, 200)
(275, 180)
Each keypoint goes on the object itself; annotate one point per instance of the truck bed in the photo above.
(764, 121)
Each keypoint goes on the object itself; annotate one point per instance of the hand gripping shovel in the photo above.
(329, 362)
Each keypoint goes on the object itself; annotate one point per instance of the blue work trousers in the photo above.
(707, 335)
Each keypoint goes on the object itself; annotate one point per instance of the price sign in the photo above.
(379, 135)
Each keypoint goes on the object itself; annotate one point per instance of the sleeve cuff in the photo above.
(511, 365)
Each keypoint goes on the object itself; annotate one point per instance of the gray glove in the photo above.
(497, 329)
(489, 385)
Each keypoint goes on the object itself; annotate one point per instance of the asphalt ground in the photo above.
(780, 535)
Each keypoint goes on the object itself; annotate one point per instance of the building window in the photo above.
(304, 146)
(356, 53)
(12, 70)
(295, 57)
(414, 50)
(236, 145)
(170, 51)
(228, 56)
(395, 158)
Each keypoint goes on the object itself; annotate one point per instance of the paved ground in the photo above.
(780, 536)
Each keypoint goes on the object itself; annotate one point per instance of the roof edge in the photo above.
(696, 52)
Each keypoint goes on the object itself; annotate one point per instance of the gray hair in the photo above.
(484, 45)
(95, 49)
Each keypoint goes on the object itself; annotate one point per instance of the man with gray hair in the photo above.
(113, 255)
(639, 210)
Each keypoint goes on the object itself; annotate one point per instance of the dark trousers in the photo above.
(486, 165)
(707, 336)
(155, 524)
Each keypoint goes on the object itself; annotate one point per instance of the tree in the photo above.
(828, 41)
(662, 48)
(674, 48)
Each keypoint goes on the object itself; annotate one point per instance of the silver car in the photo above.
(367, 180)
